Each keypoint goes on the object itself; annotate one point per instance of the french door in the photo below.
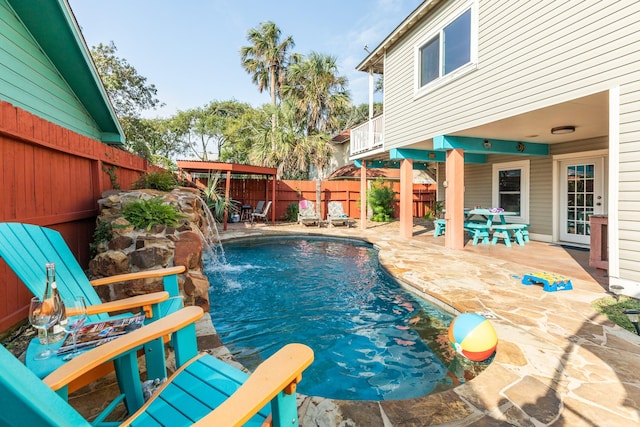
(581, 196)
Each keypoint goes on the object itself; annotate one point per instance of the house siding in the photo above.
(532, 55)
(478, 182)
(629, 182)
(570, 49)
(30, 81)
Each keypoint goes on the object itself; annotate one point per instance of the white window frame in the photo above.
(524, 166)
(439, 31)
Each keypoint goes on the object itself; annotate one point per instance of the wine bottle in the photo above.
(59, 328)
(52, 295)
(50, 271)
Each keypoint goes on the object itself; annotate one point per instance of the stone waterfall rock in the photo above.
(130, 250)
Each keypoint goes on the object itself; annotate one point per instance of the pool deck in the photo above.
(558, 362)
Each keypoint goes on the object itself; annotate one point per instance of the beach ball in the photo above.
(473, 336)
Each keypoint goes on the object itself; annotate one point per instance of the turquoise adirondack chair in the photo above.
(203, 391)
(27, 248)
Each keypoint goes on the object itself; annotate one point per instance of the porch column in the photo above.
(454, 200)
(363, 196)
(227, 189)
(406, 198)
(371, 91)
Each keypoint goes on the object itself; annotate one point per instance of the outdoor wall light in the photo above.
(486, 144)
(560, 130)
(633, 315)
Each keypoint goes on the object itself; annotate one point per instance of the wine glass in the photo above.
(43, 315)
(76, 310)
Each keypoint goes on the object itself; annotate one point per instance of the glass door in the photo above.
(582, 195)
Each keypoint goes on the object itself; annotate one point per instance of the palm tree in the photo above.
(283, 149)
(317, 91)
(266, 59)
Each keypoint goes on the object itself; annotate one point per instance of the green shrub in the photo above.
(102, 233)
(216, 200)
(381, 198)
(436, 211)
(292, 212)
(146, 213)
(614, 309)
(161, 180)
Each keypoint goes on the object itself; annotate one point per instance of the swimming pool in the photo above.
(373, 340)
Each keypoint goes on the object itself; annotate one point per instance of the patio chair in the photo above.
(259, 207)
(307, 214)
(261, 215)
(203, 391)
(27, 248)
(336, 215)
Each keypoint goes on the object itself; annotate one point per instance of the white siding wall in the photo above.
(478, 182)
(629, 178)
(530, 55)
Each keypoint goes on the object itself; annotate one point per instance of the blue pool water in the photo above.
(332, 296)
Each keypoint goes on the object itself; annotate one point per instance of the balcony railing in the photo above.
(368, 136)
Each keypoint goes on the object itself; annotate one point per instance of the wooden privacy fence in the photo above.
(250, 191)
(53, 177)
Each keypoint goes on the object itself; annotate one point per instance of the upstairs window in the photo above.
(447, 49)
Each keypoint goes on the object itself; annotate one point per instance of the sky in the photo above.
(190, 49)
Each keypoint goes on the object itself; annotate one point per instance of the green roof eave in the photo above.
(54, 27)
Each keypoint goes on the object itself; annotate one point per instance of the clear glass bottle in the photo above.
(50, 271)
(56, 332)
(59, 328)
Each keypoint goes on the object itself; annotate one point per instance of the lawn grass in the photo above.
(614, 308)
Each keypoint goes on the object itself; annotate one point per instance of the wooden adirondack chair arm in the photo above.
(282, 371)
(145, 301)
(87, 361)
(147, 274)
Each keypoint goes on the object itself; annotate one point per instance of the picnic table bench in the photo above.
(478, 231)
(506, 231)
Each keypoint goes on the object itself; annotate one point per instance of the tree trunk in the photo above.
(318, 197)
(274, 120)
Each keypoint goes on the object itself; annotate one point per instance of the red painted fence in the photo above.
(53, 177)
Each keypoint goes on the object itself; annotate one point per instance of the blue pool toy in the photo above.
(551, 282)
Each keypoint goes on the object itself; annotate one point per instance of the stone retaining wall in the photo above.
(130, 250)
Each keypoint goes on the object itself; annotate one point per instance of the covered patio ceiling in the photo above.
(205, 166)
(589, 115)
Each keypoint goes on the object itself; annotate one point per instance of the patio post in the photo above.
(227, 189)
(363, 195)
(406, 198)
(454, 199)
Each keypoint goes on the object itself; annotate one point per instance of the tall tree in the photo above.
(318, 91)
(240, 133)
(266, 60)
(130, 94)
(157, 138)
(281, 149)
(204, 131)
